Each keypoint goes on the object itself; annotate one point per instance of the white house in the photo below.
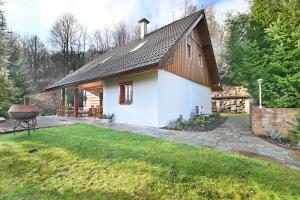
(151, 80)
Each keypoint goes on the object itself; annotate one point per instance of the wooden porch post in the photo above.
(63, 97)
(101, 100)
(76, 101)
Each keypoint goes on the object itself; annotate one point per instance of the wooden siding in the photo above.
(190, 68)
(92, 97)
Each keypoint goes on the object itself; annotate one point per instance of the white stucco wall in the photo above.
(143, 110)
(158, 97)
(179, 96)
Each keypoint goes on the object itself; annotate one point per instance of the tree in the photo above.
(107, 38)
(64, 36)
(97, 43)
(120, 34)
(217, 35)
(35, 56)
(6, 86)
(3, 39)
(265, 44)
(16, 69)
(82, 44)
(189, 8)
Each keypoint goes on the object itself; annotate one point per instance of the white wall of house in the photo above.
(179, 96)
(143, 110)
(158, 97)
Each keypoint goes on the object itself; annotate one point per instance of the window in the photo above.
(200, 60)
(138, 46)
(126, 93)
(189, 50)
(103, 61)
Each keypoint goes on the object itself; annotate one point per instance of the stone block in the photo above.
(284, 131)
(295, 155)
(292, 112)
(278, 120)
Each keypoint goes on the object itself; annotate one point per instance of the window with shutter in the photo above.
(126, 93)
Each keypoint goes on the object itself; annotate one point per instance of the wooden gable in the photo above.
(200, 66)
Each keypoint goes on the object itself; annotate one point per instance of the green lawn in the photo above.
(88, 162)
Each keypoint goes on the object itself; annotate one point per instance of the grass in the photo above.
(88, 162)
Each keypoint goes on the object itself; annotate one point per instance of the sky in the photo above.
(37, 16)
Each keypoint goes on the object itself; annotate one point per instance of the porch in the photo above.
(84, 100)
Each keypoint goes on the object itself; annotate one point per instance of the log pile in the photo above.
(233, 99)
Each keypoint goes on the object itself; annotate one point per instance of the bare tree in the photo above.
(65, 36)
(83, 37)
(120, 34)
(35, 57)
(97, 43)
(135, 32)
(107, 38)
(189, 8)
(217, 34)
(82, 44)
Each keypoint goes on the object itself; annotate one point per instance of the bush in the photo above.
(182, 122)
(4, 106)
(215, 114)
(294, 134)
(106, 116)
(275, 135)
(178, 124)
(199, 120)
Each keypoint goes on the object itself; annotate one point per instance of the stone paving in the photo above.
(233, 135)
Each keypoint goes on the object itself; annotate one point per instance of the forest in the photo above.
(263, 43)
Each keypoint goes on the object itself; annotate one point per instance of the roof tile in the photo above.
(122, 59)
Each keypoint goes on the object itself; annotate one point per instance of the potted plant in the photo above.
(106, 118)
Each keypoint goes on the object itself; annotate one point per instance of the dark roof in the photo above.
(143, 20)
(123, 58)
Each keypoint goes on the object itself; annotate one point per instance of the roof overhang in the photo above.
(100, 79)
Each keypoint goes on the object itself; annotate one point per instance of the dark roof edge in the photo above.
(144, 20)
(102, 78)
(184, 35)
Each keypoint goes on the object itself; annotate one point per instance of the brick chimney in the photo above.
(143, 27)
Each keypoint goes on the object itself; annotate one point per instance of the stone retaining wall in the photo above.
(272, 119)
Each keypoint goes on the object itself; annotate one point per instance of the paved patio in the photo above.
(234, 135)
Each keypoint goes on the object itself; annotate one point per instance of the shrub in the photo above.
(107, 116)
(275, 135)
(199, 120)
(294, 133)
(215, 114)
(182, 122)
(178, 124)
(4, 106)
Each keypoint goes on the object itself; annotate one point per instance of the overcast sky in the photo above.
(37, 16)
